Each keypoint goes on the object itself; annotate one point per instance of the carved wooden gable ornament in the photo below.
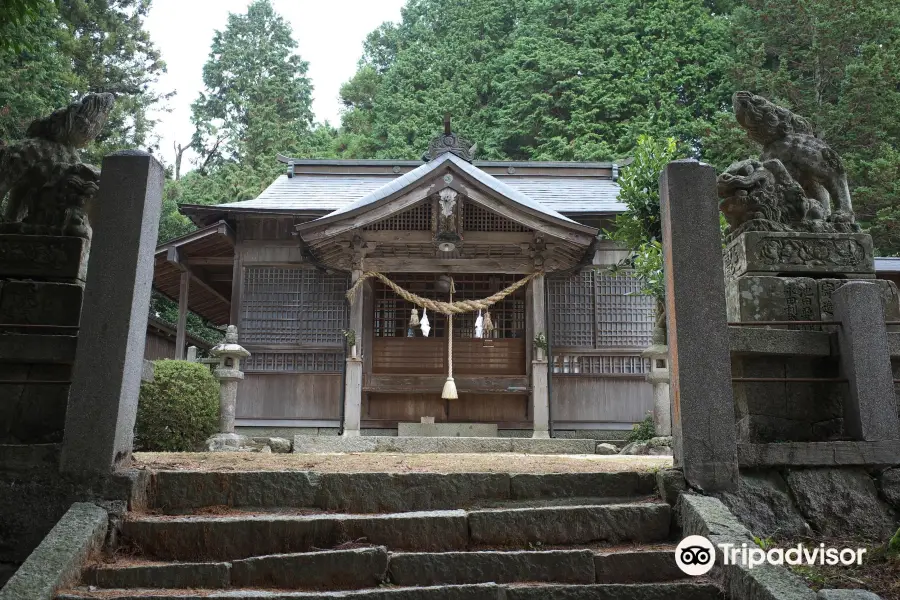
(450, 216)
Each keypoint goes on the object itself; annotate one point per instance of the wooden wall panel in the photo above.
(427, 356)
(289, 396)
(607, 399)
(157, 348)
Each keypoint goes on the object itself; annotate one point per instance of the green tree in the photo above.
(112, 52)
(36, 77)
(639, 228)
(57, 55)
(539, 79)
(258, 98)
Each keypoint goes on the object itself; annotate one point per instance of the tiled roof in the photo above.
(330, 191)
(416, 174)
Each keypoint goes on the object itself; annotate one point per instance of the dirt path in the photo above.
(381, 462)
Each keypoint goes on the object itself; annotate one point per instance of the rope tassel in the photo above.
(449, 391)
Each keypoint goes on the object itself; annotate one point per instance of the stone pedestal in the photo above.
(796, 277)
(41, 290)
(540, 399)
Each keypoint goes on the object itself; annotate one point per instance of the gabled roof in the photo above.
(420, 173)
(321, 186)
(424, 170)
(545, 238)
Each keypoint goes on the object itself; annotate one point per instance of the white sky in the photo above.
(329, 34)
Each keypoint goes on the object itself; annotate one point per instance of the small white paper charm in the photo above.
(424, 324)
(479, 326)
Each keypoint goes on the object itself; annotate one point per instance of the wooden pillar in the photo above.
(539, 367)
(353, 382)
(181, 331)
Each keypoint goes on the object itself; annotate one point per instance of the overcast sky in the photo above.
(329, 34)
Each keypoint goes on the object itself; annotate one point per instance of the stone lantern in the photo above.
(229, 374)
(658, 354)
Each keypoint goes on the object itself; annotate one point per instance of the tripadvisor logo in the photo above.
(695, 555)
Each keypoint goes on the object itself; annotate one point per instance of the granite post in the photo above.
(870, 412)
(703, 425)
(354, 369)
(103, 397)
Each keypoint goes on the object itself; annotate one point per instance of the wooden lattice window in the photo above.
(572, 313)
(595, 309)
(293, 306)
(294, 362)
(392, 312)
(477, 218)
(624, 316)
(601, 364)
(417, 218)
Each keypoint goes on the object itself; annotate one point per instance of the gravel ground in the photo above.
(382, 462)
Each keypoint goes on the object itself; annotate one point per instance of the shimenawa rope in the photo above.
(445, 308)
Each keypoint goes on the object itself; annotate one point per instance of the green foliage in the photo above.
(258, 98)
(166, 310)
(179, 409)
(350, 336)
(643, 431)
(540, 341)
(894, 544)
(639, 228)
(538, 79)
(64, 50)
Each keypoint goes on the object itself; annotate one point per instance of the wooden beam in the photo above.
(203, 261)
(174, 257)
(183, 292)
(522, 265)
(221, 277)
(400, 384)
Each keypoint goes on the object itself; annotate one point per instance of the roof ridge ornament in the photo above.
(450, 142)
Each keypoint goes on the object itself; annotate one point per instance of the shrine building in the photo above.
(528, 234)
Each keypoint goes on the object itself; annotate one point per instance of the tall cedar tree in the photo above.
(258, 98)
(539, 79)
(84, 46)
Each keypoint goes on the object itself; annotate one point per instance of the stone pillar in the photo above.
(703, 428)
(539, 365)
(229, 373)
(192, 353)
(106, 379)
(354, 373)
(659, 378)
(870, 412)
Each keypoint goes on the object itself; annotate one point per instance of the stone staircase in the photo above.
(381, 536)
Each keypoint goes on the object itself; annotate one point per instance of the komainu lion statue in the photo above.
(49, 188)
(794, 184)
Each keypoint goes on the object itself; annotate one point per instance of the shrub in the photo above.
(643, 431)
(179, 409)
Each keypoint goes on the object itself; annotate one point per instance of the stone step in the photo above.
(180, 491)
(244, 536)
(487, 591)
(367, 567)
(315, 444)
